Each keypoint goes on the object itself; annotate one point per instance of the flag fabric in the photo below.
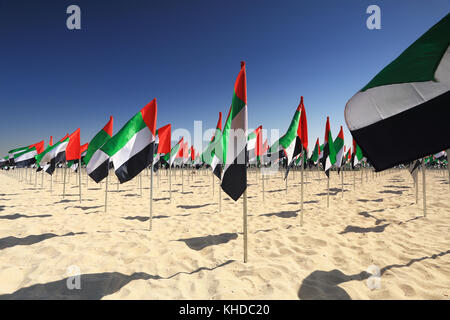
(329, 152)
(73, 164)
(290, 143)
(254, 144)
(13, 152)
(130, 150)
(234, 176)
(73, 151)
(339, 147)
(27, 158)
(412, 93)
(171, 156)
(302, 130)
(164, 139)
(315, 155)
(99, 140)
(214, 150)
(51, 141)
(357, 155)
(53, 155)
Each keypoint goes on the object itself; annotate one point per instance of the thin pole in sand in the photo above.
(328, 189)
(301, 181)
(263, 178)
(448, 167)
(106, 191)
(182, 180)
(51, 183)
(212, 176)
(416, 184)
(42, 179)
(140, 183)
(64, 183)
(170, 182)
(79, 176)
(354, 179)
(424, 190)
(151, 198)
(35, 179)
(220, 199)
(87, 178)
(342, 181)
(245, 225)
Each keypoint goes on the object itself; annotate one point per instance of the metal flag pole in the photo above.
(328, 190)
(64, 183)
(140, 182)
(448, 167)
(342, 181)
(416, 184)
(245, 225)
(151, 197)
(170, 181)
(212, 175)
(79, 176)
(301, 181)
(220, 199)
(263, 178)
(106, 190)
(424, 190)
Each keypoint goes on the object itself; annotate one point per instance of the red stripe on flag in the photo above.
(149, 115)
(164, 134)
(73, 147)
(108, 128)
(240, 86)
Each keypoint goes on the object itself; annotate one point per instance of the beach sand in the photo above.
(196, 252)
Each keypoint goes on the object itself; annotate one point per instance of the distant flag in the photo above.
(51, 141)
(408, 98)
(214, 150)
(290, 143)
(73, 151)
(234, 176)
(164, 139)
(13, 152)
(339, 147)
(357, 155)
(172, 155)
(130, 150)
(73, 164)
(316, 152)
(329, 152)
(98, 141)
(302, 130)
(254, 144)
(27, 157)
(192, 154)
(56, 153)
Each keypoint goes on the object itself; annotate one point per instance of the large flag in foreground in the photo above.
(234, 177)
(99, 140)
(131, 149)
(412, 93)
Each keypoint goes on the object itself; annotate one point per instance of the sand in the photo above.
(196, 252)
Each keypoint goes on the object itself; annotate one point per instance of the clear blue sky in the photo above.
(187, 54)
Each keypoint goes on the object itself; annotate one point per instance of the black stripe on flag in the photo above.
(234, 181)
(135, 164)
(100, 172)
(407, 136)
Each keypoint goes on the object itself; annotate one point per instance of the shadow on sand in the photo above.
(10, 242)
(200, 243)
(324, 285)
(94, 286)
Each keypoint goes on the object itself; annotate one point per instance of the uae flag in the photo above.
(27, 158)
(315, 155)
(290, 143)
(329, 152)
(13, 152)
(171, 156)
(339, 147)
(130, 150)
(357, 155)
(412, 93)
(214, 149)
(164, 139)
(56, 153)
(254, 144)
(99, 140)
(302, 131)
(73, 164)
(234, 176)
